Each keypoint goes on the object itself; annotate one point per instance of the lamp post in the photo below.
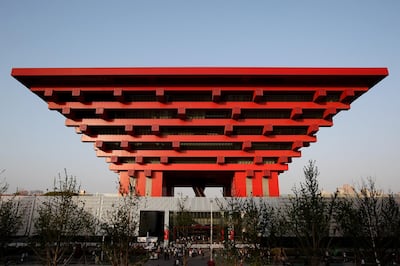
(211, 231)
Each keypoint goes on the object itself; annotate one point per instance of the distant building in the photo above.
(156, 214)
(346, 189)
(235, 128)
(36, 192)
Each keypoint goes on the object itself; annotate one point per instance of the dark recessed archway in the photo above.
(198, 180)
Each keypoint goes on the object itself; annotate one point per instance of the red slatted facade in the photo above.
(233, 127)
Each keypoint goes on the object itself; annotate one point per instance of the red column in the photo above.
(124, 182)
(257, 184)
(273, 185)
(141, 183)
(166, 234)
(239, 184)
(156, 184)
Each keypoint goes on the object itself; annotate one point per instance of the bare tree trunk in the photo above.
(315, 260)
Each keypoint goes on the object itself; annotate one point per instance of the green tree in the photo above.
(182, 219)
(371, 220)
(233, 222)
(120, 228)
(60, 219)
(10, 218)
(182, 223)
(310, 216)
(3, 184)
(253, 222)
(258, 217)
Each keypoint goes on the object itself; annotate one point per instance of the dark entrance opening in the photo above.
(151, 223)
(210, 192)
(198, 181)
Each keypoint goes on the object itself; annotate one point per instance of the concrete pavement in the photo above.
(194, 261)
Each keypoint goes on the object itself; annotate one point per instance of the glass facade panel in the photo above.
(140, 96)
(143, 113)
(112, 145)
(151, 145)
(154, 160)
(142, 130)
(269, 160)
(239, 160)
(271, 145)
(212, 114)
(176, 130)
(313, 113)
(193, 160)
(247, 130)
(107, 130)
(236, 96)
(192, 96)
(288, 96)
(265, 113)
(333, 96)
(288, 130)
(127, 160)
(85, 113)
(211, 146)
(98, 96)
(65, 96)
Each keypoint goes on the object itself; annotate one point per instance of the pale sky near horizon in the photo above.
(35, 145)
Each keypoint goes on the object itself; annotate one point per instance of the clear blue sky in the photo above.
(35, 145)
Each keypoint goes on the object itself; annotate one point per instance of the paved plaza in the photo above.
(195, 261)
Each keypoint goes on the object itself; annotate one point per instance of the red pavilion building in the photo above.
(236, 128)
